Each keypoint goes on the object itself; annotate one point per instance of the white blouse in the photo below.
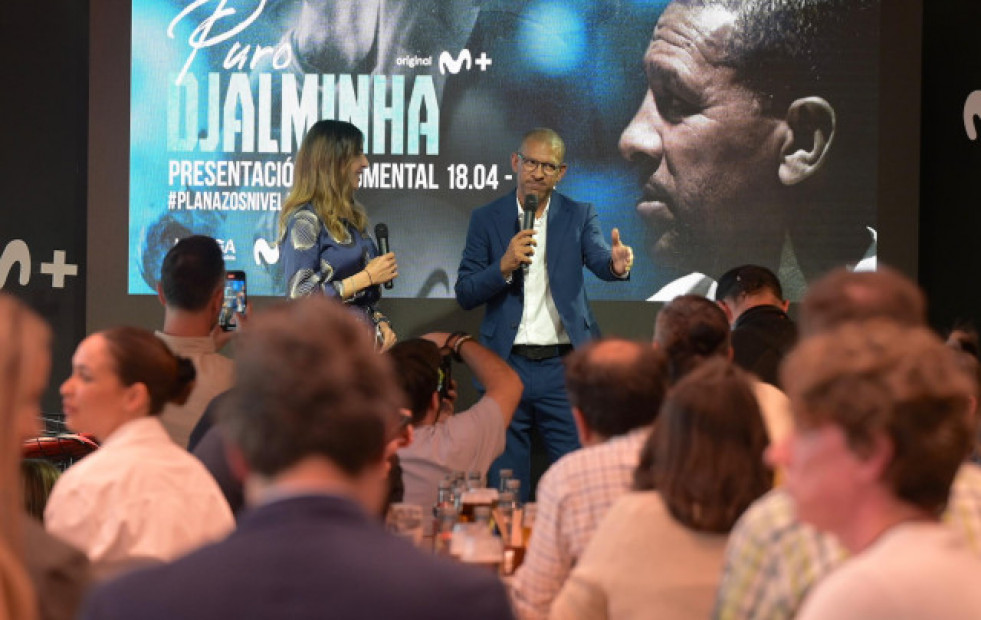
(140, 496)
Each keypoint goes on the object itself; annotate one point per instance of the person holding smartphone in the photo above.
(194, 289)
(235, 303)
(324, 245)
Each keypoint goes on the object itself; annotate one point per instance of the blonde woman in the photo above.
(324, 245)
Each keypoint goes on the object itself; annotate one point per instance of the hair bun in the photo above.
(185, 370)
(184, 382)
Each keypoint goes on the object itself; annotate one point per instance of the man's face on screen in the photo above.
(708, 157)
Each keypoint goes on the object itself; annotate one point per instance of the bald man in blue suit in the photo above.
(531, 282)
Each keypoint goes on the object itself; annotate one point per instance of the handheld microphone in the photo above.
(381, 236)
(528, 219)
(530, 207)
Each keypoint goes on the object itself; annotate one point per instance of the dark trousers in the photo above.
(545, 407)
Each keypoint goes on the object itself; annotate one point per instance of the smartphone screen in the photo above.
(235, 297)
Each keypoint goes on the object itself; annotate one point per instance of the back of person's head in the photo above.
(138, 356)
(842, 296)
(191, 273)
(24, 364)
(689, 330)
(38, 477)
(749, 280)
(309, 383)
(878, 379)
(25, 361)
(417, 366)
(618, 385)
(705, 456)
(22, 334)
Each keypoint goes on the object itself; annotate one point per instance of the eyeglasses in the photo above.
(530, 165)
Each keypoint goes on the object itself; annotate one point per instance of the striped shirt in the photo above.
(772, 559)
(573, 497)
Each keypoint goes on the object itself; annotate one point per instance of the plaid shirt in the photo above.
(772, 559)
(573, 497)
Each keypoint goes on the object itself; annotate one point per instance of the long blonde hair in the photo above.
(21, 333)
(321, 178)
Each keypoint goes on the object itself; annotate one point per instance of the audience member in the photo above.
(313, 415)
(465, 441)
(615, 388)
(59, 573)
(212, 450)
(17, 597)
(139, 497)
(762, 332)
(772, 558)
(37, 478)
(692, 329)
(191, 289)
(882, 427)
(659, 550)
(842, 296)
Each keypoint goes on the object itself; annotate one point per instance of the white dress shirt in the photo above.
(540, 320)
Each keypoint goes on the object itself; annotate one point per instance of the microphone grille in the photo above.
(381, 230)
(531, 202)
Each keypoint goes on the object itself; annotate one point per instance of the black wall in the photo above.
(950, 185)
(44, 135)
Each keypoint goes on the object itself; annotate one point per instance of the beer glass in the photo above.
(406, 520)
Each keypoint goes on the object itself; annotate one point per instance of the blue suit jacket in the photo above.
(574, 240)
(301, 558)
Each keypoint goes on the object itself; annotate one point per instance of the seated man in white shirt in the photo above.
(469, 440)
(615, 388)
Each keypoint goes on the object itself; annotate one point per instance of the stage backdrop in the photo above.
(223, 92)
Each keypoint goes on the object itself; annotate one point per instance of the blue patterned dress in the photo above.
(314, 262)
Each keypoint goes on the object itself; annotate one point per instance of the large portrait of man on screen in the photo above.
(759, 146)
(756, 141)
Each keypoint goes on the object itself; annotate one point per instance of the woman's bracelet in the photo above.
(370, 281)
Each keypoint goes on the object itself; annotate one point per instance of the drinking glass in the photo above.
(406, 520)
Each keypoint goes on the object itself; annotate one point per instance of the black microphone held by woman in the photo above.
(381, 237)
